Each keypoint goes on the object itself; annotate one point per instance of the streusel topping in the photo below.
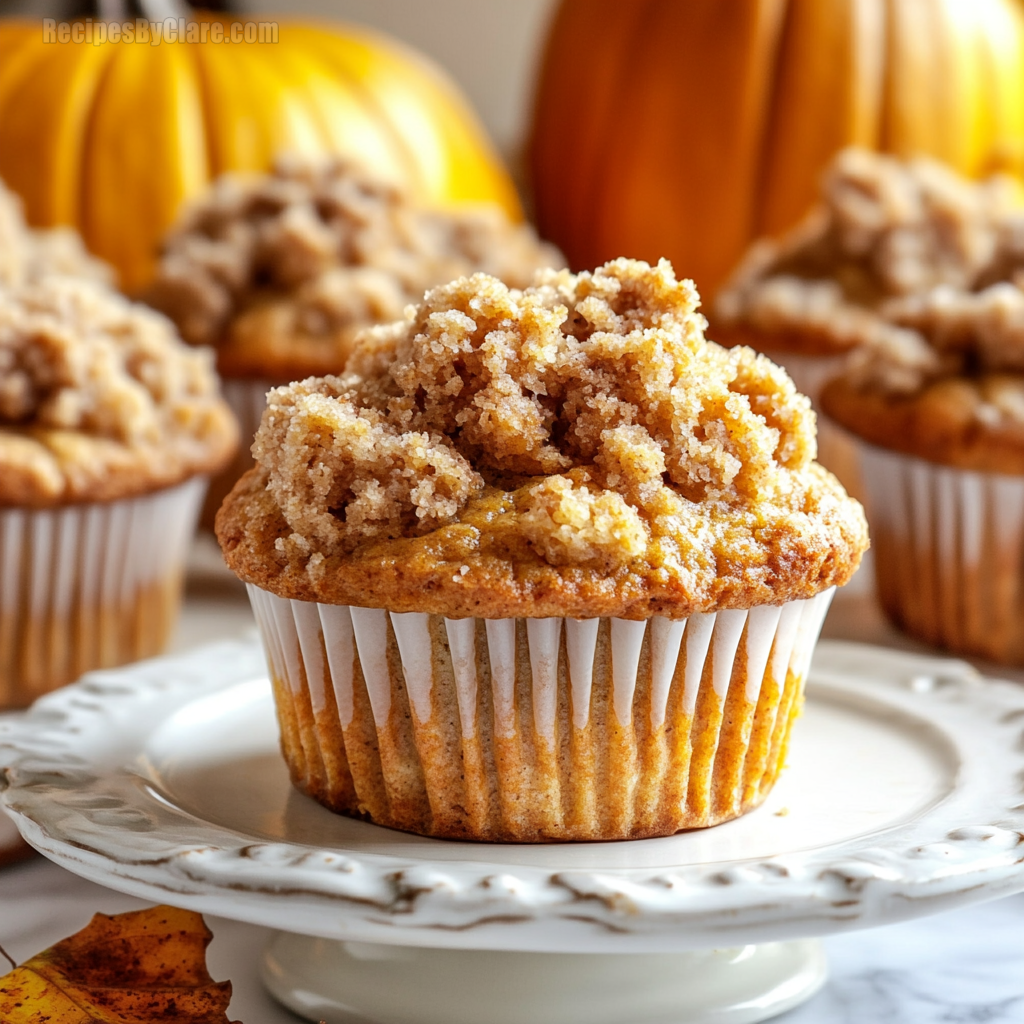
(281, 271)
(580, 426)
(906, 260)
(27, 254)
(99, 398)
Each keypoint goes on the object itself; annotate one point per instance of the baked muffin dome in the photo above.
(576, 448)
(109, 425)
(280, 272)
(99, 398)
(884, 231)
(948, 386)
(28, 254)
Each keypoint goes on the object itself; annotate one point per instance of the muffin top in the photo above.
(884, 233)
(99, 398)
(280, 272)
(575, 448)
(27, 254)
(947, 385)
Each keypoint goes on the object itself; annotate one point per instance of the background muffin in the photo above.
(940, 404)
(26, 254)
(281, 272)
(543, 565)
(884, 230)
(109, 425)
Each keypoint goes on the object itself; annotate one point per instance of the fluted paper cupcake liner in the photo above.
(248, 399)
(89, 586)
(837, 449)
(536, 729)
(949, 552)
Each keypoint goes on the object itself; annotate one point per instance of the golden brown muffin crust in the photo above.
(577, 448)
(281, 272)
(99, 399)
(974, 423)
(947, 384)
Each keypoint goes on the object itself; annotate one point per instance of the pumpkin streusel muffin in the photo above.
(280, 272)
(883, 231)
(27, 254)
(544, 565)
(940, 409)
(109, 425)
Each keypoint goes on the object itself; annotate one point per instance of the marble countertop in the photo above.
(962, 967)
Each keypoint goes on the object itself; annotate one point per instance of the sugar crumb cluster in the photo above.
(28, 255)
(917, 268)
(320, 249)
(96, 391)
(592, 400)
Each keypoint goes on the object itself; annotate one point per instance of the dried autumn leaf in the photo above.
(146, 966)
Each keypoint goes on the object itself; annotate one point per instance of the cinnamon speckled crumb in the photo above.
(919, 272)
(281, 271)
(27, 254)
(99, 398)
(581, 431)
(904, 260)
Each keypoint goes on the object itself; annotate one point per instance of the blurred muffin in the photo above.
(109, 425)
(940, 404)
(544, 565)
(280, 272)
(27, 254)
(883, 230)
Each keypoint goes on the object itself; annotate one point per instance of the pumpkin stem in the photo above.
(152, 10)
(160, 10)
(127, 10)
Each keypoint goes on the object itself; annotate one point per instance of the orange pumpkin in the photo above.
(110, 138)
(686, 128)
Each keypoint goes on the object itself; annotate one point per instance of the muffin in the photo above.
(883, 230)
(109, 425)
(27, 254)
(543, 565)
(939, 409)
(280, 272)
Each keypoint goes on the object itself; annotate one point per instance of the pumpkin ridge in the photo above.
(364, 97)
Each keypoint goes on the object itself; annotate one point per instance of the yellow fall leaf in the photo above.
(149, 965)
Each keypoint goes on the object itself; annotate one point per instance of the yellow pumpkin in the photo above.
(686, 128)
(112, 137)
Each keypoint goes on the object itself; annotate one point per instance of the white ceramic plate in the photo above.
(903, 796)
(12, 846)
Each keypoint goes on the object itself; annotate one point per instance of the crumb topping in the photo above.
(281, 271)
(98, 397)
(909, 263)
(605, 376)
(583, 425)
(28, 255)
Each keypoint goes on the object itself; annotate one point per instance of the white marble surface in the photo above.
(963, 967)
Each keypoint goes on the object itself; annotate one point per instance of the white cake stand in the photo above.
(903, 797)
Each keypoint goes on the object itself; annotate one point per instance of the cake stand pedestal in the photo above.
(321, 979)
(903, 797)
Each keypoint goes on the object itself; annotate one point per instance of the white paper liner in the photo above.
(837, 449)
(949, 552)
(536, 728)
(248, 399)
(89, 586)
